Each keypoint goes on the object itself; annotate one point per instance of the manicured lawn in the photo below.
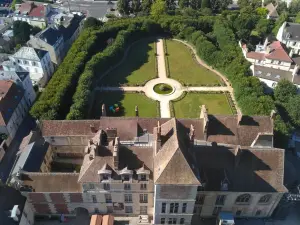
(163, 89)
(188, 107)
(126, 103)
(137, 68)
(184, 68)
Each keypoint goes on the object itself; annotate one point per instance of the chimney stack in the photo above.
(103, 109)
(157, 138)
(136, 111)
(204, 116)
(237, 153)
(116, 153)
(273, 114)
(192, 135)
(239, 117)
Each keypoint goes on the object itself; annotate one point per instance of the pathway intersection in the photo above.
(178, 88)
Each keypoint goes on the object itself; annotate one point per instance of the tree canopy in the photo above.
(158, 8)
(284, 91)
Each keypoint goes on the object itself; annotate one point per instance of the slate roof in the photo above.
(291, 31)
(50, 35)
(10, 97)
(9, 197)
(30, 53)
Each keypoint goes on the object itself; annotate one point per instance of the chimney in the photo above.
(237, 153)
(273, 114)
(103, 110)
(204, 116)
(136, 111)
(116, 153)
(239, 117)
(192, 135)
(157, 138)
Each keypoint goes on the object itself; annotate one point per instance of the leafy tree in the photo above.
(282, 18)
(22, 31)
(261, 11)
(158, 8)
(171, 5)
(92, 22)
(293, 109)
(264, 27)
(205, 4)
(183, 3)
(218, 5)
(146, 6)
(297, 19)
(295, 6)
(284, 91)
(195, 4)
(123, 7)
(136, 6)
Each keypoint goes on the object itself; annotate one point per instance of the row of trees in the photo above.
(100, 63)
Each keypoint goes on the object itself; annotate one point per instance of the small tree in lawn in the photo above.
(158, 8)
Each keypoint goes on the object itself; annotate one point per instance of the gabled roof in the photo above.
(50, 35)
(272, 12)
(172, 163)
(30, 53)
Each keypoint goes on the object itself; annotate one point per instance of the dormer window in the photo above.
(126, 174)
(143, 173)
(105, 173)
(143, 177)
(125, 177)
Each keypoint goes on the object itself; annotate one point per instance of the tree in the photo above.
(123, 7)
(35, 30)
(158, 8)
(146, 6)
(282, 18)
(92, 22)
(218, 5)
(293, 109)
(21, 31)
(284, 91)
(294, 6)
(205, 4)
(261, 11)
(297, 19)
(171, 5)
(136, 6)
(195, 4)
(183, 3)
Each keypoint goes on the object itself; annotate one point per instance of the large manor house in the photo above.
(168, 169)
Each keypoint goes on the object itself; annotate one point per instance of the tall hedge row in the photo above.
(100, 63)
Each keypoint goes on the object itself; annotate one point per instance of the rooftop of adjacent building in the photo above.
(272, 10)
(10, 97)
(291, 31)
(32, 9)
(235, 151)
(30, 53)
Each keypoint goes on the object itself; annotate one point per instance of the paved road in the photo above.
(10, 155)
(93, 9)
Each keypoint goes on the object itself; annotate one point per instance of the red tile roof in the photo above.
(32, 9)
(278, 52)
(255, 55)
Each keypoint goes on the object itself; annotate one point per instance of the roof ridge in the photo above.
(49, 174)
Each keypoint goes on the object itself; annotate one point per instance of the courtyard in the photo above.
(155, 72)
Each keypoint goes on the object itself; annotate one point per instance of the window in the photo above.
(34, 63)
(176, 207)
(143, 198)
(243, 199)
(109, 209)
(105, 176)
(125, 177)
(265, 199)
(94, 198)
(200, 199)
(96, 210)
(216, 211)
(26, 62)
(172, 208)
(172, 221)
(162, 220)
(128, 198)
(163, 208)
(143, 210)
(127, 187)
(238, 212)
(106, 186)
(108, 198)
(181, 220)
(220, 199)
(200, 188)
(92, 186)
(143, 186)
(143, 177)
(184, 208)
(128, 209)
(258, 213)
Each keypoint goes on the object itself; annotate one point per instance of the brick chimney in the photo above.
(116, 154)
(136, 111)
(157, 138)
(103, 110)
(204, 116)
(239, 117)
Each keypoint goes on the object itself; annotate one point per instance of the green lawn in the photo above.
(137, 68)
(184, 68)
(188, 107)
(126, 103)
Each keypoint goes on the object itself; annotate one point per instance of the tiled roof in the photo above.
(10, 96)
(32, 9)
(255, 55)
(291, 31)
(272, 12)
(30, 53)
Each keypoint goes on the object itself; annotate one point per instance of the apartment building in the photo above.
(168, 169)
(289, 34)
(271, 62)
(35, 61)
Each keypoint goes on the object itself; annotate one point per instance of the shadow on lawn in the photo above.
(137, 56)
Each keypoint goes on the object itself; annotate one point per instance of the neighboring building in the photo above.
(168, 169)
(33, 13)
(8, 35)
(13, 107)
(57, 39)
(6, 46)
(289, 34)
(272, 11)
(271, 63)
(14, 209)
(35, 61)
(21, 78)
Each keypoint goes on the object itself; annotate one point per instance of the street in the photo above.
(9, 158)
(93, 9)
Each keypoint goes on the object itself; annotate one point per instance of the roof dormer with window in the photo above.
(105, 173)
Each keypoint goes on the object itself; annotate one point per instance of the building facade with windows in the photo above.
(169, 169)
